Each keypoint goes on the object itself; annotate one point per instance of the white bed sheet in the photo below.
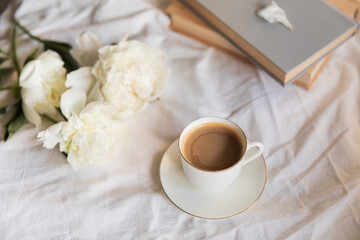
(312, 141)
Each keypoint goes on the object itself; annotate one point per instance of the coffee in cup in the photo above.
(213, 151)
(212, 146)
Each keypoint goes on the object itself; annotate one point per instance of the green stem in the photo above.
(13, 49)
(27, 32)
(49, 118)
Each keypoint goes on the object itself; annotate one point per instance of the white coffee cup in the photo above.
(217, 180)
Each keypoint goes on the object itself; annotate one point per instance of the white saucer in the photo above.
(242, 194)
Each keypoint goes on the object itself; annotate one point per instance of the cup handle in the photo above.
(255, 155)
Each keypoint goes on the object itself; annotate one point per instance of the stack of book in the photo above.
(289, 56)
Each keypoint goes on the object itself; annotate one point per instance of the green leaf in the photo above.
(3, 59)
(31, 56)
(16, 91)
(59, 111)
(61, 46)
(15, 120)
(49, 118)
(14, 125)
(14, 53)
(63, 50)
(6, 70)
(3, 110)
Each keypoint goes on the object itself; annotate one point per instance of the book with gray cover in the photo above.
(285, 54)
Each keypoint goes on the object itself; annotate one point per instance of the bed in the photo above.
(311, 139)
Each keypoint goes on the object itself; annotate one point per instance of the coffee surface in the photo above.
(212, 146)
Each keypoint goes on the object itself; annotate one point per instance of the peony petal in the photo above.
(159, 86)
(31, 115)
(88, 46)
(163, 76)
(88, 41)
(105, 108)
(33, 95)
(75, 162)
(95, 93)
(26, 78)
(50, 60)
(81, 79)
(139, 110)
(51, 136)
(72, 102)
(124, 38)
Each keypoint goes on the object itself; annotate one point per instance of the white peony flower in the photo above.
(89, 132)
(131, 74)
(87, 52)
(83, 80)
(42, 82)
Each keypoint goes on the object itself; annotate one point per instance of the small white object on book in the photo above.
(273, 13)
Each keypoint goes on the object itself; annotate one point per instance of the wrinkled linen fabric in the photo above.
(311, 138)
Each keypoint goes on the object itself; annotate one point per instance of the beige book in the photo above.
(185, 21)
(284, 54)
(307, 80)
(349, 7)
